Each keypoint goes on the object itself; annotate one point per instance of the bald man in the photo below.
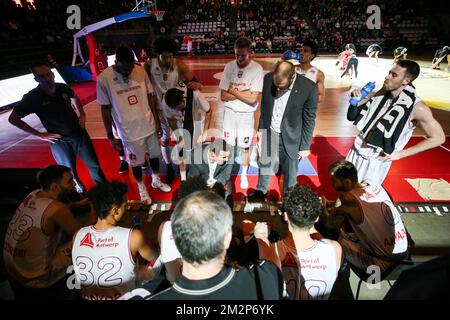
(286, 125)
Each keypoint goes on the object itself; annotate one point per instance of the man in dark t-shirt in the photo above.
(52, 103)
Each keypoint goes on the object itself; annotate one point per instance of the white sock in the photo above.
(166, 154)
(122, 158)
(183, 175)
(155, 176)
(244, 170)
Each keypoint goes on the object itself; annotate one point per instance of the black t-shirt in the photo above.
(55, 112)
(230, 284)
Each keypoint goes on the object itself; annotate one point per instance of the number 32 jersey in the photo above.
(103, 262)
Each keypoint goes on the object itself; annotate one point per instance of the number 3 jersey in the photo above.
(128, 97)
(103, 262)
(31, 257)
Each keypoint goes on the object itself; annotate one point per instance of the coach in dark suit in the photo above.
(286, 125)
(214, 163)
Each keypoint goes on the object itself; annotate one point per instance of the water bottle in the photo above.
(292, 55)
(368, 88)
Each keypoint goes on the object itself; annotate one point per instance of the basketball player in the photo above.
(125, 93)
(105, 255)
(309, 52)
(241, 84)
(400, 53)
(165, 71)
(344, 57)
(373, 51)
(37, 243)
(187, 109)
(378, 236)
(352, 67)
(310, 266)
(386, 121)
(440, 56)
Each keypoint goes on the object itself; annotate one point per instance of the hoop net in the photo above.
(159, 14)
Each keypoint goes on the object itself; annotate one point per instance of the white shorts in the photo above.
(238, 127)
(369, 168)
(137, 150)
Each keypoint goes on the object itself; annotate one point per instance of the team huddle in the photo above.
(143, 109)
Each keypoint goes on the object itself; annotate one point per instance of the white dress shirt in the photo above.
(212, 169)
(279, 106)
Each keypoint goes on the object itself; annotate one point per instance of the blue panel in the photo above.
(75, 74)
(130, 15)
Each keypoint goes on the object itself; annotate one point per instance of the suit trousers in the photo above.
(274, 158)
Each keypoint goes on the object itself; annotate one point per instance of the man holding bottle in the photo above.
(386, 121)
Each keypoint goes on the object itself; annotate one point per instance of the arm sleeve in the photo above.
(225, 175)
(267, 83)
(66, 89)
(309, 119)
(194, 171)
(271, 279)
(24, 107)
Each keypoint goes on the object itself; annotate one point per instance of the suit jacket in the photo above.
(297, 125)
(222, 173)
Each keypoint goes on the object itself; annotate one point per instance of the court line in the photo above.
(14, 144)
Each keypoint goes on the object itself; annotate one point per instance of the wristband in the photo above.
(110, 135)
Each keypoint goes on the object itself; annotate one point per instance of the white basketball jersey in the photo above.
(385, 235)
(250, 78)
(128, 97)
(318, 270)
(27, 251)
(163, 81)
(103, 263)
(311, 73)
(169, 251)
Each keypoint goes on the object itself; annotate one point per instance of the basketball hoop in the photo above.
(158, 14)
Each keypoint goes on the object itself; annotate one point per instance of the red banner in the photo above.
(97, 60)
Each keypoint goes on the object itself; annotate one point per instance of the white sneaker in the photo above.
(143, 194)
(244, 182)
(158, 184)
